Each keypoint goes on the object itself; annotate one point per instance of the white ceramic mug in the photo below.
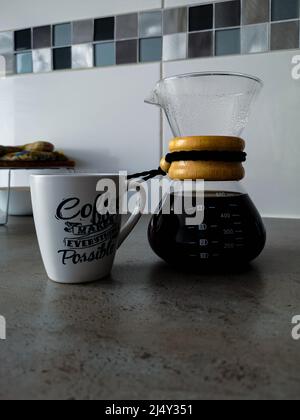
(77, 243)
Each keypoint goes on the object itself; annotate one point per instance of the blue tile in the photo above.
(228, 42)
(62, 35)
(150, 50)
(105, 54)
(285, 9)
(24, 63)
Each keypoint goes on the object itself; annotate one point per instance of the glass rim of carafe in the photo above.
(213, 73)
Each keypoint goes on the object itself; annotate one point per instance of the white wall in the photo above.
(18, 14)
(99, 118)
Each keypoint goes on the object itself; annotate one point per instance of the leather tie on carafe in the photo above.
(212, 158)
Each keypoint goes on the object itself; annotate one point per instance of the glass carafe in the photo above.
(231, 231)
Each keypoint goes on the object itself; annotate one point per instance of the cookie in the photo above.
(39, 146)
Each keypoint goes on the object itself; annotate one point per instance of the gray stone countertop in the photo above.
(150, 331)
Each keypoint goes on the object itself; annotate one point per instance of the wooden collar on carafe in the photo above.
(212, 158)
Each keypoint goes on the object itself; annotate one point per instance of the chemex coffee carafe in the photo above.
(207, 113)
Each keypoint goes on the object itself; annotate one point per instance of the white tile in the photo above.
(82, 56)
(42, 60)
(3, 64)
(175, 47)
(7, 64)
(255, 38)
(272, 136)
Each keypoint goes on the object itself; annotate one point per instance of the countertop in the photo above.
(150, 331)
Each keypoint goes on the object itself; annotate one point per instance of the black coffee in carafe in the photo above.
(232, 232)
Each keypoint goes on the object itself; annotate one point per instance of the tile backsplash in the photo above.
(214, 29)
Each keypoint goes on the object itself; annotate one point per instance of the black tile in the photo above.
(201, 18)
(23, 40)
(228, 14)
(104, 29)
(62, 58)
(42, 37)
(201, 44)
(127, 52)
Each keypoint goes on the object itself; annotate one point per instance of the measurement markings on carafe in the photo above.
(240, 242)
(204, 256)
(228, 232)
(229, 246)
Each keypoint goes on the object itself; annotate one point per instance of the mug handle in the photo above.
(137, 213)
